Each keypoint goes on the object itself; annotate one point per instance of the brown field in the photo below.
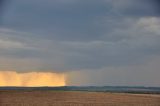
(61, 98)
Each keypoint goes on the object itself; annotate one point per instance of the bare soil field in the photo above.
(63, 98)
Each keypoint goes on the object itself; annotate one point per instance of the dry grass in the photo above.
(60, 98)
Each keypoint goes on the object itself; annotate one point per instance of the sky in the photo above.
(92, 42)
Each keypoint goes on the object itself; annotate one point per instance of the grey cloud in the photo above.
(68, 20)
(138, 41)
(136, 8)
(100, 38)
(24, 49)
(71, 35)
(134, 46)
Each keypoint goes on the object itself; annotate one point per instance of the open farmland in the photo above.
(69, 98)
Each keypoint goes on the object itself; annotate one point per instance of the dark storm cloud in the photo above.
(136, 8)
(81, 34)
(1, 5)
(1, 9)
(67, 21)
(108, 42)
(72, 20)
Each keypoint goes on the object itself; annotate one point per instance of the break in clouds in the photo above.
(95, 38)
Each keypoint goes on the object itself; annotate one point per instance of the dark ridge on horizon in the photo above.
(78, 86)
(112, 89)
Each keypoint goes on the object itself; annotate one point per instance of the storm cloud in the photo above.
(111, 37)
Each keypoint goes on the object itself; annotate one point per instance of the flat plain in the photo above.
(71, 98)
